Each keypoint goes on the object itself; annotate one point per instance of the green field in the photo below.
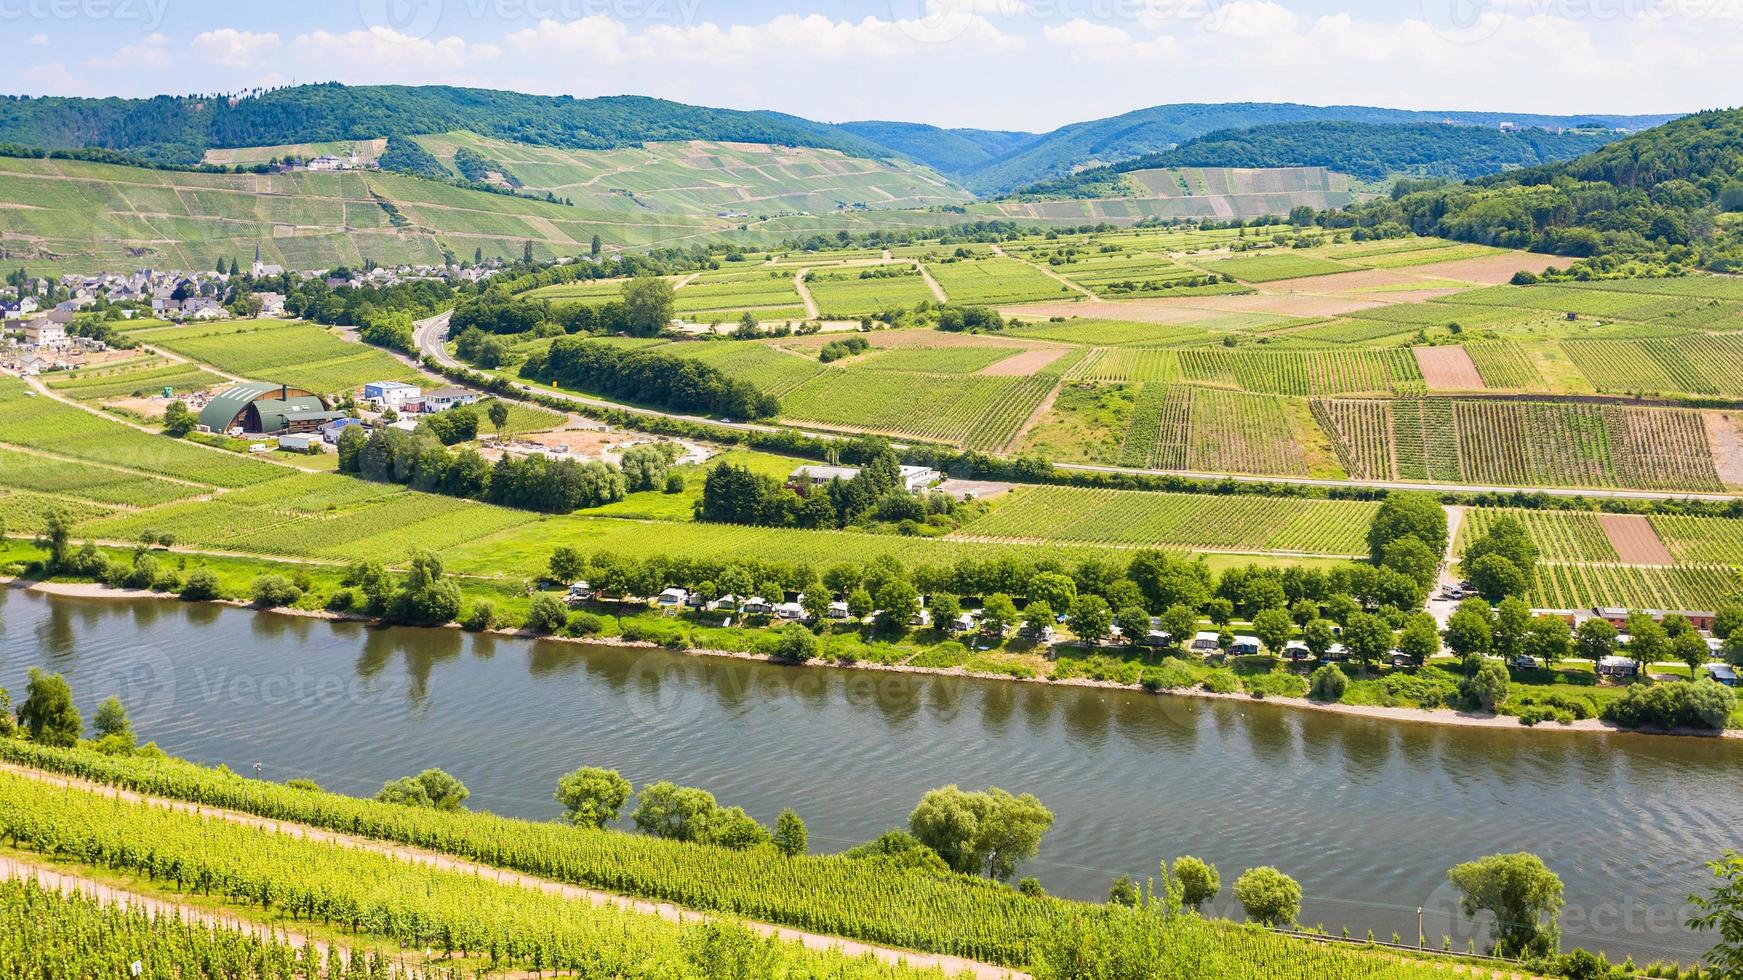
(1274, 268)
(303, 355)
(852, 293)
(147, 377)
(995, 281)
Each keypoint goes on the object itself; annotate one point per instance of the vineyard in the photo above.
(415, 906)
(42, 423)
(1136, 519)
(1505, 365)
(1560, 536)
(1697, 364)
(1274, 268)
(1690, 587)
(995, 280)
(1127, 365)
(1180, 427)
(771, 369)
(765, 294)
(1112, 333)
(845, 295)
(133, 380)
(936, 913)
(1335, 372)
(975, 411)
(99, 484)
(301, 354)
(1701, 539)
(1361, 433)
(1551, 444)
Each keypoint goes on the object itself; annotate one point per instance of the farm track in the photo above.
(446, 862)
(811, 310)
(931, 283)
(1049, 273)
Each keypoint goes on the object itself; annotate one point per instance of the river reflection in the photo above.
(1367, 814)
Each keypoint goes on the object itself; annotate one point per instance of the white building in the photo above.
(391, 394)
(443, 399)
(42, 330)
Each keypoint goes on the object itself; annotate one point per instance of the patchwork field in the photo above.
(292, 352)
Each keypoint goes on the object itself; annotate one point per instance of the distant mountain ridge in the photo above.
(1153, 130)
(1370, 151)
(179, 129)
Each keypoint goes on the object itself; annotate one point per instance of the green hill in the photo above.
(951, 151)
(180, 129)
(1160, 128)
(1370, 151)
(1670, 194)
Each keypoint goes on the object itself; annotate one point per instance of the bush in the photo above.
(341, 601)
(1222, 681)
(1268, 896)
(586, 624)
(273, 591)
(794, 644)
(1488, 687)
(941, 657)
(483, 617)
(1170, 675)
(661, 631)
(1279, 685)
(1703, 704)
(201, 586)
(546, 614)
(1328, 684)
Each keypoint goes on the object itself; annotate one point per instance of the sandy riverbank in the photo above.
(1437, 716)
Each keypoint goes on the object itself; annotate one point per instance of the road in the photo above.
(819, 942)
(429, 334)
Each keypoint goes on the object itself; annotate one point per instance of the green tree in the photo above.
(794, 644)
(1318, 636)
(425, 598)
(1402, 515)
(1180, 623)
(1647, 642)
(1470, 629)
(860, 604)
(1327, 684)
(1037, 617)
(989, 832)
(57, 534)
(1488, 688)
(1523, 895)
(1594, 639)
(1268, 896)
(431, 788)
(1274, 628)
(1496, 577)
(1512, 623)
(998, 613)
(111, 722)
(1549, 639)
(648, 305)
(1420, 638)
(592, 797)
(1090, 619)
(566, 565)
(497, 412)
(1367, 638)
(790, 836)
(1056, 590)
(273, 591)
(899, 603)
(48, 714)
(676, 812)
(546, 614)
(946, 609)
(1690, 649)
(1134, 623)
(1199, 881)
(815, 599)
(1721, 910)
(1124, 892)
(177, 420)
(1413, 559)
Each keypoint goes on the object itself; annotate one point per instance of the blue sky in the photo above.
(1014, 64)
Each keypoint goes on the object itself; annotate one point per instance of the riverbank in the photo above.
(1437, 716)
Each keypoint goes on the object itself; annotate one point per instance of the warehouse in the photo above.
(268, 409)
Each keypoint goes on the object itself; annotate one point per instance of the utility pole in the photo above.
(1420, 940)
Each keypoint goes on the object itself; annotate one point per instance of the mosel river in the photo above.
(1366, 814)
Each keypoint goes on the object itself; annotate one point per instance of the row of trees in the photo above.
(535, 482)
(648, 377)
(736, 494)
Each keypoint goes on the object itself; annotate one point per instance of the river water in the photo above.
(1366, 814)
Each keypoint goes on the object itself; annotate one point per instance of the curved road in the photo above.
(429, 335)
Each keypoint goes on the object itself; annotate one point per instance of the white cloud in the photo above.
(233, 48)
(788, 36)
(998, 8)
(1082, 33)
(39, 40)
(151, 53)
(383, 54)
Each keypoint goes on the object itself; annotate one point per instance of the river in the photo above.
(1367, 814)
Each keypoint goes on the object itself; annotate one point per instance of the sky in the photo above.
(996, 64)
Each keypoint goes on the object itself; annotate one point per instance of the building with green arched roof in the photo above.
(266, 409)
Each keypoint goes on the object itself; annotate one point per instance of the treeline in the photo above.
(1657, 196)
(179, 129)
(1371, 151)
(419, 460)
(648, 377)
(121, 159)
(734, 494)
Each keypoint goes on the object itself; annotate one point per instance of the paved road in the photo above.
(429, 334)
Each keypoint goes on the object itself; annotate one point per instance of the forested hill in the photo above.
(179, 129)
(1370, 151)
(949, 151)
(1669, 195)
(1160, 128)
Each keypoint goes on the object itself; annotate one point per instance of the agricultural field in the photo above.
(1126, 365)
(33, 421)
(1138, 274)
(976, 412)
(1560, 536)
(1693, 587)
(1697, 364)
(1701, 539)
(772, 369)
(1115, 333)
(303, 355)
(146, 377)
(1275, 268)
(1150, 520)
(87, 481)
(1301, 372)
(995, 281)
(1209, 430)
(850, 293)
(764, 294)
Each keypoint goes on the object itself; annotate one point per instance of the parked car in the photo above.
(1525, 661)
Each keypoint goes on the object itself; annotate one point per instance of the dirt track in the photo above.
(1448, 369)
(1635, 540)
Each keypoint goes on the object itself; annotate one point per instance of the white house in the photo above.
(42, 330)
(443, 399)
(672, 598)
(301, 442)
(1205, 643)
(271, 304)
(390, 394)
(918, 478)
